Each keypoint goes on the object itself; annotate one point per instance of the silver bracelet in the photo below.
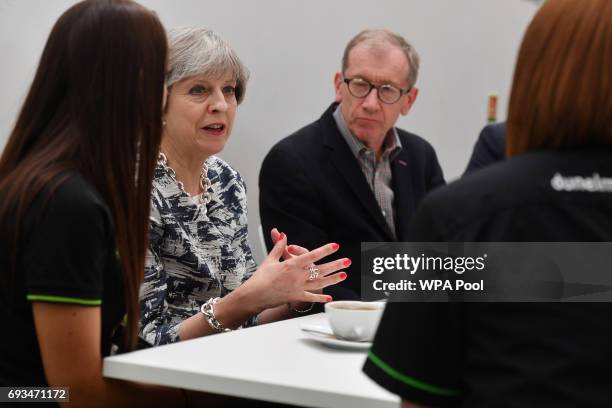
(208, 311)
(300, 311)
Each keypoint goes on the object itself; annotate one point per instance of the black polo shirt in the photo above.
(507, 354)
(67, 255)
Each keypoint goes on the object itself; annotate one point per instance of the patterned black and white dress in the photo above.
(196, 251)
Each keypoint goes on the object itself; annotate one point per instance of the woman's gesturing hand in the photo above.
(275, 283)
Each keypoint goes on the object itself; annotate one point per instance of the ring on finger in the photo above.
(313, 272)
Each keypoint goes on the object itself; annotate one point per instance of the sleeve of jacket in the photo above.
(240, 244)
(435, 177)
(289, 201)
(155, 326)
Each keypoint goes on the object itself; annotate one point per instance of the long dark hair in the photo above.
(94, 107)
(562, 90)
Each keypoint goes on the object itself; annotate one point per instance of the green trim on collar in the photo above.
(62, 299)
(432, 389)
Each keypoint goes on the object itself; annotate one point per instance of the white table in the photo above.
(273, 362)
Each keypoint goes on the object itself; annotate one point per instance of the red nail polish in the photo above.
(328, 299)
(342, 275)
(347, 262)
(335, 246)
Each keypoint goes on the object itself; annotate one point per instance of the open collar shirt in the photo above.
(377, 172)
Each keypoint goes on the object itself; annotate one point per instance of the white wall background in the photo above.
(293, 48)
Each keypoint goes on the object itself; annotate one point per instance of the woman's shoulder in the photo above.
(227, 185)
(70, 199)
(221, 172)
(221, 167)
(69, 192)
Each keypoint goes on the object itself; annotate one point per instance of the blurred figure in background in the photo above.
(489, 148)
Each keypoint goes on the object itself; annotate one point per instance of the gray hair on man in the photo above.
(382, 36)
(198, 51)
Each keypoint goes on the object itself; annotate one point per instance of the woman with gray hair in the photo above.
(200, 276)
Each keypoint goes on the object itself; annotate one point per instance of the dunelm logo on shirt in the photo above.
(594, 184)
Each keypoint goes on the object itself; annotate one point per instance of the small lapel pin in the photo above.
(403, 163)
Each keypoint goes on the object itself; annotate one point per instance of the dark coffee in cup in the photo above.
(354, 320)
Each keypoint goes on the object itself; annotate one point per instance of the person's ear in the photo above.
(165, 99)
(338, 81)
(409, 100)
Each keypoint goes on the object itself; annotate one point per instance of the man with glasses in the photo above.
(352, 176)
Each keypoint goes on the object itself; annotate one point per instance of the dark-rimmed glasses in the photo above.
(360, 88)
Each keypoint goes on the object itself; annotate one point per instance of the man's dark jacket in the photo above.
(312, 188)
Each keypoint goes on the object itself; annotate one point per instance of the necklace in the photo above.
(205, 184)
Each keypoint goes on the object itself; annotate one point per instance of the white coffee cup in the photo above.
(354, 320)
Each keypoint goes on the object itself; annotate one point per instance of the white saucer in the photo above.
(324, 335)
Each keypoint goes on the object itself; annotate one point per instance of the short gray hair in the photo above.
(198, 51)
(381, 36)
